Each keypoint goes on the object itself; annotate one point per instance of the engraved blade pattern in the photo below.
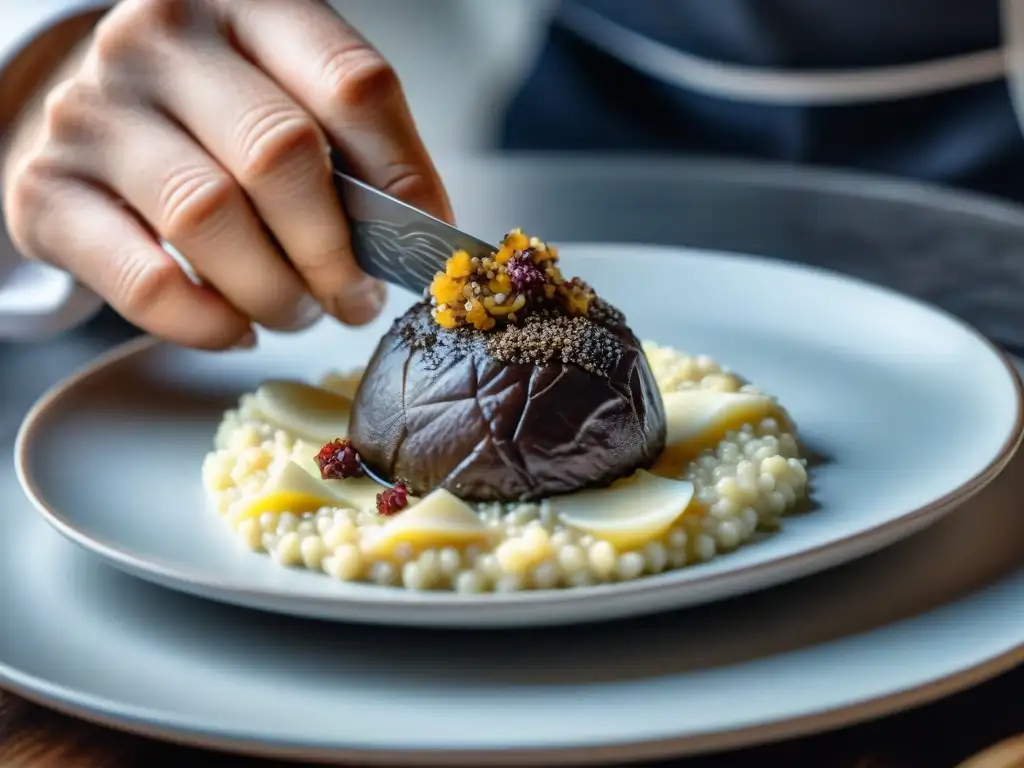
(397, 243)
(399, 255)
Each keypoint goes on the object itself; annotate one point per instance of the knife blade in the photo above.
(397, 243)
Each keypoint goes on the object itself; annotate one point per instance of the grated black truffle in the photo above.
(543, 337)
(603, 313)
(549, 337)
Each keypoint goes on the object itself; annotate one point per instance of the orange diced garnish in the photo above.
(459, 265)
(516, 240)
(577, 298)
(445, 289)
(521, 273)
(500, 284)
(555, 274)
(477, 315)
(579, 303)
(510, 306)
(445, 318)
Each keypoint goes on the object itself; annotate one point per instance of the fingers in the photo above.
(223, 152)
(278, 154)
(349, 87)
(83, 231)
(190, 200)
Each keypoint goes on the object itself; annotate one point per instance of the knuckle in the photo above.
(141, 282)
(67, 103)
(271, 136)
(20, 202)
(74, 113)
(111, 38)
(194, 201)
(117, 35)
(164, 12)
(26, 178)
(27, 197)
(357, 76)
(58, 101)
(133, 24)
(166, 16)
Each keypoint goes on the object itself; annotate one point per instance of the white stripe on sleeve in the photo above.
(757, 85)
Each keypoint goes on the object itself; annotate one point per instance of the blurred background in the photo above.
(477, 50)
(459, 60)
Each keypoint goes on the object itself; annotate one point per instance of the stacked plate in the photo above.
(903, 582)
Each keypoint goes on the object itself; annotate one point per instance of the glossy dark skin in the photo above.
(487, 431)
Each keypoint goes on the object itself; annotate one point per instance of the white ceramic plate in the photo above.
(920, 620)
(914, 411)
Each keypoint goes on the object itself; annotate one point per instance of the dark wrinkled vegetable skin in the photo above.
(487, 431)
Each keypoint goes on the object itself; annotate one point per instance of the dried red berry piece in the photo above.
(338, 460)
(393, 501)
(526, 276)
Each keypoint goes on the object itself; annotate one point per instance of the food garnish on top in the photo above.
(520, 277)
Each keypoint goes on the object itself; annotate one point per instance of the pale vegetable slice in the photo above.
(344, 384)
(355, 492)
(630, 512)
(359, 492)
(440, 519)
(290, 489)
(694, 414)
(304, 454)
(306, 411)
(700, 418)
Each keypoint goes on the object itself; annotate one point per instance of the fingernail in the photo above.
(248, 341)
(306, 312)
(378, 295)
(363, 303)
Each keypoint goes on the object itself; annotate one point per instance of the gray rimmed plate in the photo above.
(913, 411)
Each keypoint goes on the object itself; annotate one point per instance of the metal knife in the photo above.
(394, 241)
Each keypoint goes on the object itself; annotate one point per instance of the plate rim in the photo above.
(173, 729)
(786, 567)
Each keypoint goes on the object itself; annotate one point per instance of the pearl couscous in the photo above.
(746, 477)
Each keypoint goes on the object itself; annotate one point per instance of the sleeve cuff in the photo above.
(37, 301)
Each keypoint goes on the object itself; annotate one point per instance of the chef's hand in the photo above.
(206, 124)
